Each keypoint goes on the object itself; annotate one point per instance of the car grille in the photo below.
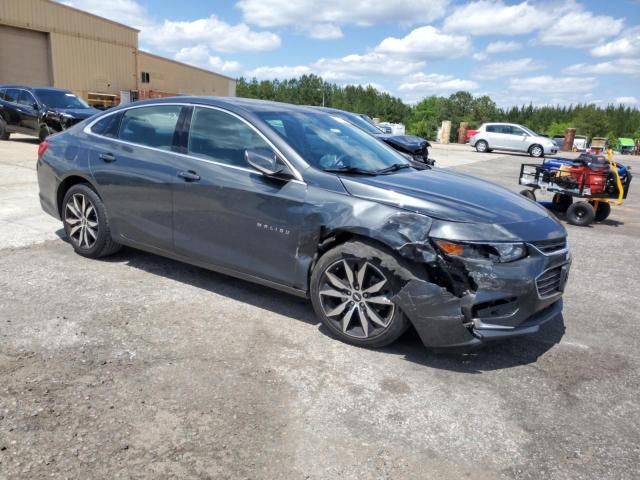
(549, 282)
(551, 246)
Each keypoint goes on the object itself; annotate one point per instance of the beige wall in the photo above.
(84, 66)
(174, 77)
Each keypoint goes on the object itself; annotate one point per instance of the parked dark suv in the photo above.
(303, 201)
(39, 111)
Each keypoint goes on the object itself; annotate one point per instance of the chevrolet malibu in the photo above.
(301, 201)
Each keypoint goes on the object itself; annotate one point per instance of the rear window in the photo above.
(150, 126)
(107, 126)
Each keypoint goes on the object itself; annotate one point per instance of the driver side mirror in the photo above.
(267, 162)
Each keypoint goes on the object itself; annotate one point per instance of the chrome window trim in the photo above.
(297, 176)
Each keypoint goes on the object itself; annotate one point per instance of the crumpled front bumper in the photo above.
(507, 301)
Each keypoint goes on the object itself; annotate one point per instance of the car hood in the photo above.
(448, 196)
(79, 113)
(406, 143)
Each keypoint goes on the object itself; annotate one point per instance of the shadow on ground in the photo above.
(495, 356)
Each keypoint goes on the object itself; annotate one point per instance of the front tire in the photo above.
(603, 211)
(86, 222)
(351, 290)
(581, 214)
(536, 151)
(482, 146)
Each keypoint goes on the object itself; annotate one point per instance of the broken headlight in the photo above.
(499, 252)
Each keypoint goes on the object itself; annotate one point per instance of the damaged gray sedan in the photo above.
(298, 200)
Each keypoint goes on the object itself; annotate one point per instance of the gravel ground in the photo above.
(140, 367)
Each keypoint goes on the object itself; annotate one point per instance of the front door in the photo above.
(225, 212)
(28, 112)
(132, 160)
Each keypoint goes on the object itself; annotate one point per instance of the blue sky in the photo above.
(546, 52)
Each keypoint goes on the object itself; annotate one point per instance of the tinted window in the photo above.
(150, 126)
(2, 93)
(60, 99)
(491, 128)
(221, 137)
(26, 98)
(516, 131)
(108, 126)
(12, 95)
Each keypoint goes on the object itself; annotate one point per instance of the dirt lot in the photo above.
(141, 367)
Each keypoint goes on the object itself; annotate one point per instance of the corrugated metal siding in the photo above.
(86, 66)
(48, 16)
(172, 77)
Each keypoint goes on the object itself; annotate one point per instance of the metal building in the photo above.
(47, 43)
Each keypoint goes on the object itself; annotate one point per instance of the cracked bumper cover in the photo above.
(505, 304)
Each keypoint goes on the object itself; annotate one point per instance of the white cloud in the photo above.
(628, 45)
(564, 23)
(493, 17)
(499, 47)
(508, 68)
(621, 66)
(627, 101)
(200, 56)
(546, 84)
(345, 68)
(324, 31)
(426, 43)
(211, 32)
(480, 56)
(423, 84)
(580, 29)
(296, 13)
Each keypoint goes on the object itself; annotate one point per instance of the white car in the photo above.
(512, 137)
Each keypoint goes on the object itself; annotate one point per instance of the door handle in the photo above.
(189, 176)
(107, 157)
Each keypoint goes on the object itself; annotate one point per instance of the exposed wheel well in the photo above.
(64, 187)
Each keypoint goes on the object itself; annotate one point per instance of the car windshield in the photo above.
(359, 122)
(60, 99)
(331, 143)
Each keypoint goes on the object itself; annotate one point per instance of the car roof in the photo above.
(34, 87)
(234, 103)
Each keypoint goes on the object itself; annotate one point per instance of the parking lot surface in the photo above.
(141, 367)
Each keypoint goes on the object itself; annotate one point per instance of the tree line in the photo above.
(424, 118)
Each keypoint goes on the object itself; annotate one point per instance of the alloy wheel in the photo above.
(82, 219)
(356, 297)
(536, 151)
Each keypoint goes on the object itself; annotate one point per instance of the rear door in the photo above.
(133, 161)
(225, 212)
(10, 112)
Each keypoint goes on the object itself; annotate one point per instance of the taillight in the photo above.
(42, 148)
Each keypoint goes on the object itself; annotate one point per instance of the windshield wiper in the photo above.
(357, 170)
(393, 168)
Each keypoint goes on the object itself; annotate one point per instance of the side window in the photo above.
(26, 99)
(2, 90)
(517, 131)
(108, 126)
(12, 95)
(491, 128)
(150, 126)
(219, 136)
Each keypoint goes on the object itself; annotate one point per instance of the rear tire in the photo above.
(562, 202)
(86, 222)
(530, 194)
(482, 146)
(581, 214)
(4, 135)
(603, 211)
(356, 305)
(536, 151)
